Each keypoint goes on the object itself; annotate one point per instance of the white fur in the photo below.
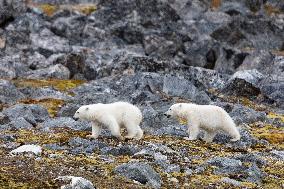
(209, 118)
(112, 116)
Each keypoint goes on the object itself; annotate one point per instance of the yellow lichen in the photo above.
(270, 133)
(273, 115)
(270, 10)
(61, 85)
(52, 105)
(48, 9)
(216, 3)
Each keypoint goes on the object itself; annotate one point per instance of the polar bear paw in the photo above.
(92, 136)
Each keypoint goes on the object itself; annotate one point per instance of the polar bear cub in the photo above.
(209, 118)
(112, 116)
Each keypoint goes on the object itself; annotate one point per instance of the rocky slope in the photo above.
(60, 54)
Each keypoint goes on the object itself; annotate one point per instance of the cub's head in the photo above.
(82, 113)
(174, 111)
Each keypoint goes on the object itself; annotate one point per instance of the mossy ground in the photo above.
(25, 171)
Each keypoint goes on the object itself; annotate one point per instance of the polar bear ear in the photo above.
(87, 108)
(179, 105)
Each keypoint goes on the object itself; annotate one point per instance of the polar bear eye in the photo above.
(77, 112)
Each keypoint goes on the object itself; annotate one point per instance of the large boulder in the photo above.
(9, 93)
(140, 172)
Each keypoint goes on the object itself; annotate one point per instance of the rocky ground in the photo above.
(55, 57)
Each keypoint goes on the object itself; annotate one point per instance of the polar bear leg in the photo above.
(139, 134)
(193, 131)
(209, 136)
(96, 130)
(232, 130)
(113, 126)
(131, 130)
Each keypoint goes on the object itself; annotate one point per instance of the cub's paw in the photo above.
(92, 136)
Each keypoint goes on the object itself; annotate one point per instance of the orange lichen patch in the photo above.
(61, 85)
(270, 10)
(52, 105)
(216, 3)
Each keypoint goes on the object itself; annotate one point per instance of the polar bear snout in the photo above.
(167, 115)
(76, 118)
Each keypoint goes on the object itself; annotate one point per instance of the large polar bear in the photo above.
(112, 116)
(209, 118)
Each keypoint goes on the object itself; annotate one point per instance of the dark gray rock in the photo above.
(252, 158)
(12, 66)
(244, 83)
(48, 43)
(43, 93)
(68, 110)
(242, 114)
(226, 165)
(80, 145)
(65, 122)
(120, 150)
(3, 119)
(57, 72)
(31, 113)
(246, 141)
(174, 130)
(140, 172)
(278, 154)
(19, 123)
(206, 78)
(175, 86)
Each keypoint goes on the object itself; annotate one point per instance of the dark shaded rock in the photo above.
(242, 114)
(174, 130)
(80, 145)
(68, 110)
(202, 52)
(37, 61)
(140, 172)
(176, 86)
(246, 141)
(70, 27)
(20, 123)
(244, 83)
(252, 158)
(120, 151)
(229, 59)
(226, 165)
(57, 72)
(3, 119)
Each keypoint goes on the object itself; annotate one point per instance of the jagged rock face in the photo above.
(57, 55)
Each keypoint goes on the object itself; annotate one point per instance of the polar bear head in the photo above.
(175, 111)
(83, 113)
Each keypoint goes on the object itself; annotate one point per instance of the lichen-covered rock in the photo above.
(140, 172)
(65, 122)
